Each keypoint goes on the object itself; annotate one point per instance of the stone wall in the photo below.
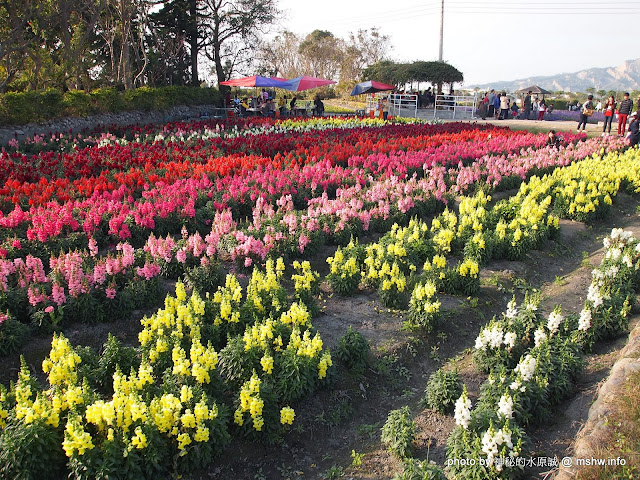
(79, 124)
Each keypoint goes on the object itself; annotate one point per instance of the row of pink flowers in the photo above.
(119, 210)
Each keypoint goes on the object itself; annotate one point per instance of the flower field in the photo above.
(95, 227)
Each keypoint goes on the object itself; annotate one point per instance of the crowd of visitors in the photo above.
(498, 106)
(265, 103)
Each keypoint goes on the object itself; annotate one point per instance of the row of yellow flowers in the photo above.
(170, 413)
(478, 231)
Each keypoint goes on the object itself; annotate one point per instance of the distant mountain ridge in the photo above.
(623, 77)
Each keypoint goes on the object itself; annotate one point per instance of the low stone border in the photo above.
(588, 439)
(77, 124)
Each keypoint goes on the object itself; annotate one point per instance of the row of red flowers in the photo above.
(113, 212)
(63, 176)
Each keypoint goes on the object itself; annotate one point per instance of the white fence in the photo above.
(403, 105)
(455, 106)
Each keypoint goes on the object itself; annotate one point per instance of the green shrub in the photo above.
(353, 350)
(77, 103)
(49, 103)
(420, 470)
(37, 106)
(399, 432)
(21, 107)
(108, 99)
(29, 451)
(443, 389)
(142, 98)
(13, 334)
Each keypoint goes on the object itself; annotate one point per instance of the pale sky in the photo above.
(487, 40)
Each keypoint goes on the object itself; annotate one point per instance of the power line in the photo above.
(473, 8)
(525, 10)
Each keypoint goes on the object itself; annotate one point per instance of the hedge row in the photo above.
(38, 106)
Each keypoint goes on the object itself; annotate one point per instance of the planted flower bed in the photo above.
(228, 360)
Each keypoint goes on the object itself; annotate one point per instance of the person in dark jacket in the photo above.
(624, 110)
(634, 129)
(527, 106)
(553, 140)
(318, 106)
(585, 112)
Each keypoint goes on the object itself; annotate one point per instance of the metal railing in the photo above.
(403, 105)
(455, 106)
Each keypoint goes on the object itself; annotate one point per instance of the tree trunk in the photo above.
(193, 41)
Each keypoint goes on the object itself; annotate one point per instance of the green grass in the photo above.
(622, 439)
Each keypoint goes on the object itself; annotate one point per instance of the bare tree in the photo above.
(321, 54)
(230, 27)
(121, 25)
(280, 56)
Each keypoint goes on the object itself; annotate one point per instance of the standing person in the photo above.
(586, 111)
(542, 107)
(292, 104)
(385, 108)
(282, 105)
(492, 97)
(504, 106)
(496, 105)
(634, 129)
(609, 109)
(624, 109)
(535, 108)
(318, 106)
(527, 105)
(599, 106)
(484, 106)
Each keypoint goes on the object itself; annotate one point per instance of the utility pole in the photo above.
(441, 30)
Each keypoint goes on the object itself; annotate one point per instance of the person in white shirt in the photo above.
(504, 106)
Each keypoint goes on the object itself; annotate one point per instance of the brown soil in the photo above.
(348, 416)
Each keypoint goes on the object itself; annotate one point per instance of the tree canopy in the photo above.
(436, 73)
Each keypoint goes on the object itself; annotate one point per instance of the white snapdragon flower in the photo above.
(585, 320)
(627, 237)
(593, 295)
(505, 406)
(512, 310)
(626, 260)
(527, 367)
(554, 321)
(481, 341)
(491, 440)
(517, 385)
(613, 254)
(510, 339)
(463, 410)
(606, 242)
(598, 277)
(489, 446)
(532, 307)
(539, 337)
(496, 337)
(612, 271)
